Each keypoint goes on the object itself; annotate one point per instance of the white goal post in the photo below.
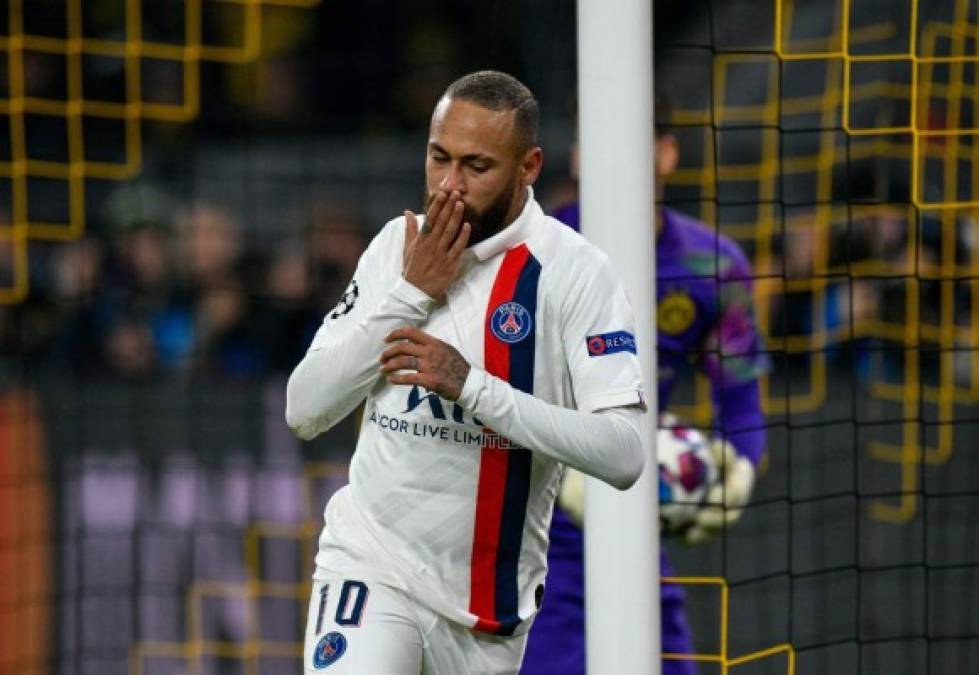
(615, 104)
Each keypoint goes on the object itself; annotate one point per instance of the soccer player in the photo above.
(467, 331)
(704, 316)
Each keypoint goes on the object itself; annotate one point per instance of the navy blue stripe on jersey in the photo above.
(522, 353)
(517, 490)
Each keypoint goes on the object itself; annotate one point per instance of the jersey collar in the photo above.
(513, 234)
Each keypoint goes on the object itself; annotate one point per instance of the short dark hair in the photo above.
(498, 91)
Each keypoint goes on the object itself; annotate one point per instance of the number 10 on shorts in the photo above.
(350, 606)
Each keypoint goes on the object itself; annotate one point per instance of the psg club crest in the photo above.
(329, 650)
(511, 322)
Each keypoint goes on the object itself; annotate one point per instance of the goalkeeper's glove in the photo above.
(727, 498)
(722, 506)
(571, 498)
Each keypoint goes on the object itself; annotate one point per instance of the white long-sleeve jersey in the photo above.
(452, 500)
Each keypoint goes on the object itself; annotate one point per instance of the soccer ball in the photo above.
(687, 469)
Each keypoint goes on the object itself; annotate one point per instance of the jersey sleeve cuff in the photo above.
(614, 399)
(410, 294)
(472, 387)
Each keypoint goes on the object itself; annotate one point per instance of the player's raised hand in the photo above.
(415, 357)
(432, 253)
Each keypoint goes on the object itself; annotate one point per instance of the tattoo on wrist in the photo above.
(458, 371)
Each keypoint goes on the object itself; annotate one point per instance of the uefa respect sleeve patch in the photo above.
(611, 343)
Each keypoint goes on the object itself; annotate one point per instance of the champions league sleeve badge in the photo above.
(329, 650)
(347, 301)
(511, 322)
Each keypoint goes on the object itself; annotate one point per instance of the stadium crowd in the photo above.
(160, 287)
(170, 290)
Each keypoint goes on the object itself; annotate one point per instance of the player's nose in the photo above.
(452, 180)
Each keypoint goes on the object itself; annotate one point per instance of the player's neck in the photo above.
(518, 206)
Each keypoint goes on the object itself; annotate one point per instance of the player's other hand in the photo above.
(727, 498)
(415, 357)
(432, 253)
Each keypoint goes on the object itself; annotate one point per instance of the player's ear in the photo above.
(531, 164)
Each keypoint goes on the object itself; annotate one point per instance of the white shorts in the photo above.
(369, 628)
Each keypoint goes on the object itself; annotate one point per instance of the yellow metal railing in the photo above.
(200, 644)
(76, 106)
(937, 55)
(252, 647)
(722, 658)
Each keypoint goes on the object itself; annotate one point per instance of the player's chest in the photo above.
(483, 318)
(685, 308)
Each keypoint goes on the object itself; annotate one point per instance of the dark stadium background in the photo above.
(158, 516)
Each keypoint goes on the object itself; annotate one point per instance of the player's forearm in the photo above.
(603, 444)
(337, 373)
(741, 419)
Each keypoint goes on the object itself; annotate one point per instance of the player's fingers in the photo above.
(711, 518)
(409, 333)
(445, 215)
(460, 243)
(434, 212)
(411, 229)
(452, 226)
(401, 362)
(400, 349)
(695, 535)
(408, 377)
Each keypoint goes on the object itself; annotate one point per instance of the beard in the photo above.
(486, 222)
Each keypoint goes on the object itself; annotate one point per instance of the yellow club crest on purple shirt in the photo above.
(676, 313)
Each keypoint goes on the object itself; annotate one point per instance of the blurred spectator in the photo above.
(827, 293)
(78, 271)
(288, 319)
(139, 276)
(174, 290)
(206, 328)
(336, 240)
(304, 279)
(146, 264)
(75, 292)
(851, 277)
(129, 348)
(138, 296)
(210, 245)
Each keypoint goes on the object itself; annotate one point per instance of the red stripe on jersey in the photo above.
(493, 461)
(486, 537)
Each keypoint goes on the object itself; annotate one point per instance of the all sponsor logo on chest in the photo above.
(451, 424)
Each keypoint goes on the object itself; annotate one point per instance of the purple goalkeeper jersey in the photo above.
(705, 320)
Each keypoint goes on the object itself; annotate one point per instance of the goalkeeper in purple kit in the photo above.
(705, 319)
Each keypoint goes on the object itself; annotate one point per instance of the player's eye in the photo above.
(479, 167)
